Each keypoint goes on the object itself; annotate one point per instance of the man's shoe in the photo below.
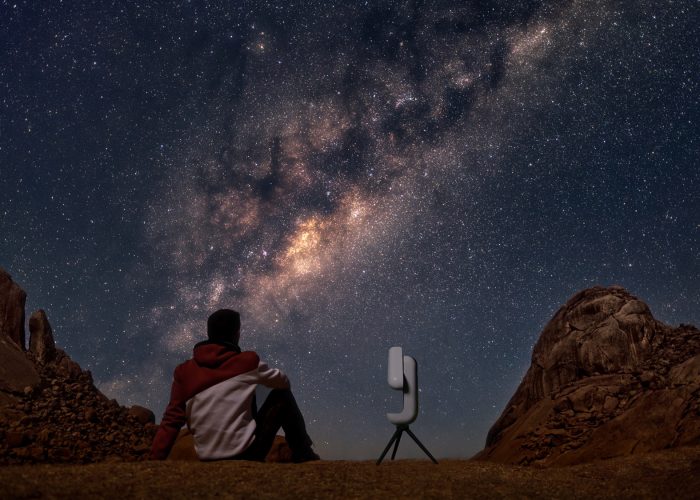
(307, 456)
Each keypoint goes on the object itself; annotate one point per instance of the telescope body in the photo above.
(403, 375)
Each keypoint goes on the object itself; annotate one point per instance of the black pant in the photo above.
(279, 410)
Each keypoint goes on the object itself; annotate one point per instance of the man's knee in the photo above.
(280, 396)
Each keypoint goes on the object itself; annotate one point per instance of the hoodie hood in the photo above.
(214, 354)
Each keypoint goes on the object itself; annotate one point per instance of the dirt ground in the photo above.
(668, 474)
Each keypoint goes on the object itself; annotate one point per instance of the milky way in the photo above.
(436, 175)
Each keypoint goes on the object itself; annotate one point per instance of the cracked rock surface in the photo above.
(606, 379)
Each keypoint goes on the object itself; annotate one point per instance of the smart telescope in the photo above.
(403, 376)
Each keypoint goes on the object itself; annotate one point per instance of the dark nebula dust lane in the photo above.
(351, 176)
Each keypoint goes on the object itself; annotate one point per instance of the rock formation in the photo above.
(41, 343)
(12, 300)
(606, 379)
(65, 418)
(50, 410)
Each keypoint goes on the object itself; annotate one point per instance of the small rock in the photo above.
(15, 439)
(44, 436)
(69, 368)
(646, 378)
(36, 452)
(60, 454)
(143, 415)
(90, 415)
(142, 448)
(610, 404)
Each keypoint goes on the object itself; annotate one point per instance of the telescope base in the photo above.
(400, 429)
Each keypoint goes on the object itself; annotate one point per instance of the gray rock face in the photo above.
(12, 300)
(41, 343)
(606, 379)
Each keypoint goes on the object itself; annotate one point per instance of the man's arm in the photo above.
(272, 377)
(173, 419)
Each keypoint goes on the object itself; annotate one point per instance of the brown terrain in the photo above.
(607, 381)
(669, 474)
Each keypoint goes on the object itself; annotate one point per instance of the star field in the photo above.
(350, 176)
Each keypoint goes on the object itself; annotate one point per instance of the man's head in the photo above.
(224, 326)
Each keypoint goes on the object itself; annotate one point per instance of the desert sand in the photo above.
(666, 474)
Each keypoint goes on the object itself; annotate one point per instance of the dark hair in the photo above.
(223, 325)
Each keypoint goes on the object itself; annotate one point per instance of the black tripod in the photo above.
(400, 428)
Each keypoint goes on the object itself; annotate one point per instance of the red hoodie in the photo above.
(213, 393)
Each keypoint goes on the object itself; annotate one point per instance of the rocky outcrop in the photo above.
(606, 379)
(50, 410)
(66, 419)
(12, 300)
(41, 343)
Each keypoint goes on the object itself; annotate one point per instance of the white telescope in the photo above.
(402, 375)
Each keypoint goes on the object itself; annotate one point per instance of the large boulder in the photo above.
(17, 372)
(142, 415)
(606, 379)
(12, 300)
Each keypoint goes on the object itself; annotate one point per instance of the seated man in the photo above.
(214, 393)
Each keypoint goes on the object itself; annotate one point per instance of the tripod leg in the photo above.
(425, 450)
(391, 441)
(396, 443)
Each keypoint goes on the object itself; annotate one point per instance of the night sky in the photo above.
(350, 176)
